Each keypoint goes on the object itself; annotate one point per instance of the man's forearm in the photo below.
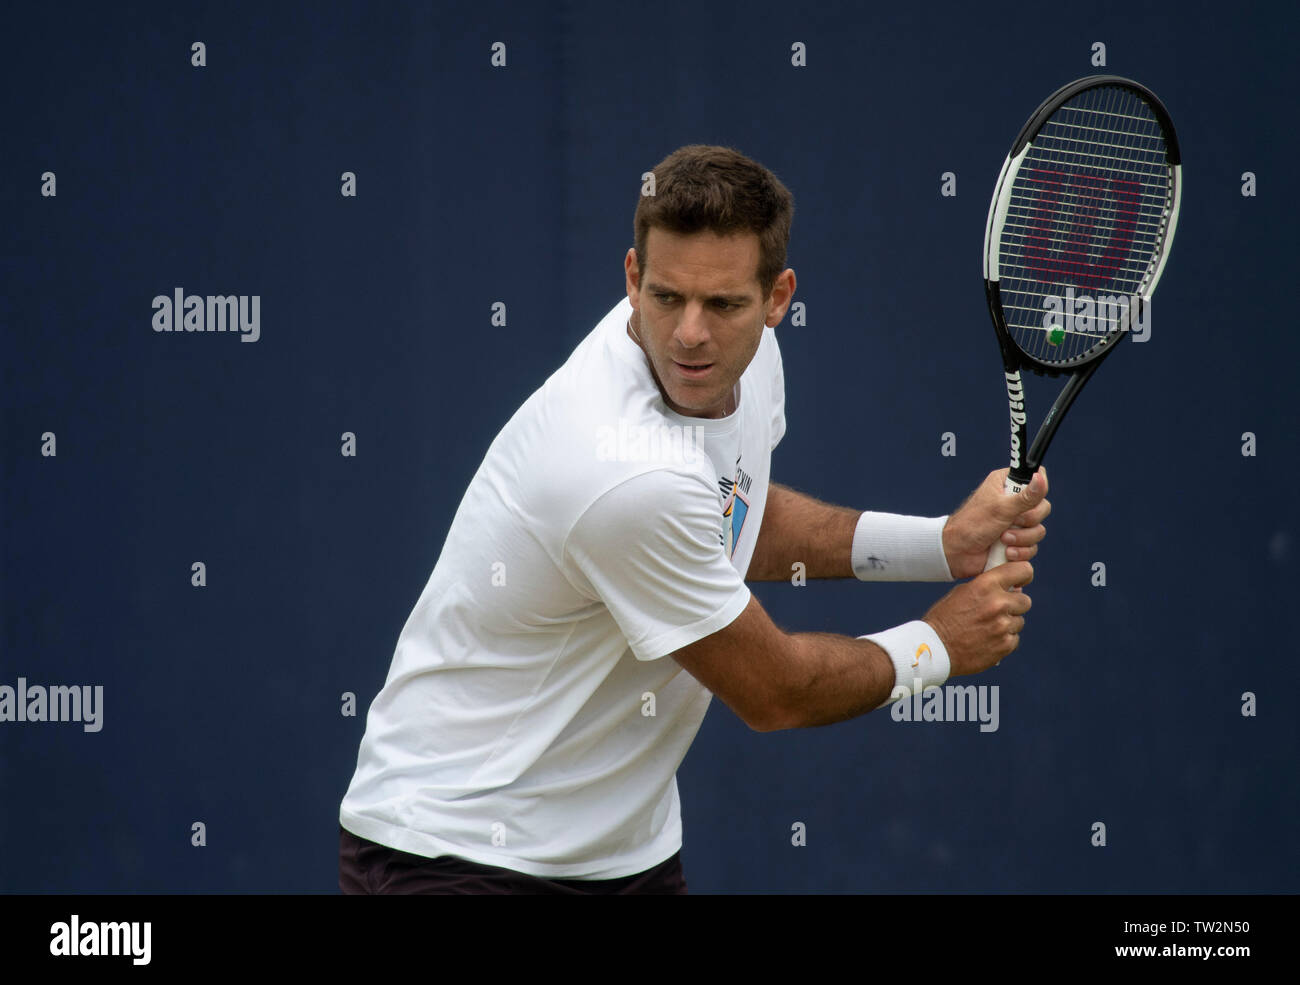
(800, 529)
(833, 678)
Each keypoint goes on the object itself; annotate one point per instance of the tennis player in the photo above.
(590, 598)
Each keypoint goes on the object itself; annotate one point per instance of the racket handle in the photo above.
(998, 552)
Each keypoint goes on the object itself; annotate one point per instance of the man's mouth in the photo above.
(693, 370)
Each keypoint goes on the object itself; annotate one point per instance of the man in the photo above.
(590, 597)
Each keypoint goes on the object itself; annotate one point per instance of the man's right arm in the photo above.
(776, 680)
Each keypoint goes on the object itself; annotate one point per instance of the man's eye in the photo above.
(663, 298)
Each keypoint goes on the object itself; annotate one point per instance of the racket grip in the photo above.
(998, 552)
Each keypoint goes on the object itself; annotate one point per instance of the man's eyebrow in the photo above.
(656, 288)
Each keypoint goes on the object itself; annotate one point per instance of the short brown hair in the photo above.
(701, 187)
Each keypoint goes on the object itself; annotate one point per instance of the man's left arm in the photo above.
(797, 528)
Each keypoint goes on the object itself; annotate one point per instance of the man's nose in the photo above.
(692, 330)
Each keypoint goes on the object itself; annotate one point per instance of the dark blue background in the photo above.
(479, 184)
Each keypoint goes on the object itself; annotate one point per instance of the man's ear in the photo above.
(781, 296)
(632, 274)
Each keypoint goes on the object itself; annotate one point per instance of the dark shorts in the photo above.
(366, 868)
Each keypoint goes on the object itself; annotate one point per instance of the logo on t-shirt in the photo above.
(735, 507)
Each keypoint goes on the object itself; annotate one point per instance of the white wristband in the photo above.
(892, 547)
(919, 657)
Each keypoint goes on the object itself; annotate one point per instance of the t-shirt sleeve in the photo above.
(778, 393)
(651, 550)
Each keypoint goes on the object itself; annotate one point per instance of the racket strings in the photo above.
(1087, 211)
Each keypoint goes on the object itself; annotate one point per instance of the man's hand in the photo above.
(989, 514)
(980, 622)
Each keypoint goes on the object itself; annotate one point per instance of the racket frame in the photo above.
(1026, 457)
(1015, 359)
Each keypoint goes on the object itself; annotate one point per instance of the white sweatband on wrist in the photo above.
(919, 657)
(892, 547)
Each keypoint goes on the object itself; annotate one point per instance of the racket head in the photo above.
(1085, 209)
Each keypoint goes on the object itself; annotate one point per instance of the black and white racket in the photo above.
(1079, 229)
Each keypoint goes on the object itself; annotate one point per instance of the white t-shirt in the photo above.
(529, 719)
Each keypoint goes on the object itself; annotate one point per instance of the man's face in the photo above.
(699, 314)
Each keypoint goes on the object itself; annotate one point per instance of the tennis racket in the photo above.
(1079, 229)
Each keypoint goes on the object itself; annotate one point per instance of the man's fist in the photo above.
(980, 621)
(988, 515)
